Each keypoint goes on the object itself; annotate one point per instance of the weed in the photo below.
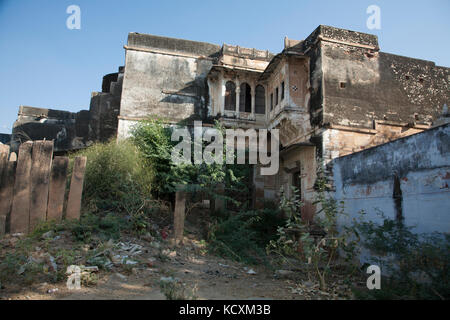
(243, 236)
(415, 266)
(116, 176)
(173, 289)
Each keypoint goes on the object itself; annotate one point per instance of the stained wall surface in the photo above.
(421, 162)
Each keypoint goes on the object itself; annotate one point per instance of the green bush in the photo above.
(116, 176)
(103, 226)
(416, 266)
(316, 243)
(153, 139)
(244, 235)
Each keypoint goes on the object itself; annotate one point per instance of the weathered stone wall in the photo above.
(69, 130)
(105, 107)
(340, 141)
(362, 84)
(299, 160)
(244, 58)
(5, 138)
(354, 85)
(291, 115)
(172, 45)
(279, 74)
(421, 162)
(165, 78)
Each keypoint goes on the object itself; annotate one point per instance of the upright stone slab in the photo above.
(7, 194)
(3, 158)
(6, 186)
(20, 210)
(57, 188)
(13, 156)
(76, 189)
(4, 150)
(179, 213)
(41, 162)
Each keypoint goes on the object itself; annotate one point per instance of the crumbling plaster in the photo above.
(365, 180)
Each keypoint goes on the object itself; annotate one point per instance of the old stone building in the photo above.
(72, 131)
(330, 95)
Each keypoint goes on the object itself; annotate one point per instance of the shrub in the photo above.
(153, 139)
(103, 226)
(414, 265)
(316, 243)
(244, 235)
(173, 289)
(116, 176)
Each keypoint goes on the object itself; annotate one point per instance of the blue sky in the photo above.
(44, 64)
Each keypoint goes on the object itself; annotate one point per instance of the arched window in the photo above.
(260, 100)
(230, 96)
(245, 98)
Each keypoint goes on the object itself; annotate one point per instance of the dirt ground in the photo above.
(204, 276)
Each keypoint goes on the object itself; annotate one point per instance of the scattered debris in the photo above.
(52, 290)
(85, 274)
(169, 279)
(284, 273)
(48, 235)
(169, 253)
(131, 248)
(52, 263)
(155, 245)
(164, 233)
(121, 276)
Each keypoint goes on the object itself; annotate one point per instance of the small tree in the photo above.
(153, 138)
(300, 239)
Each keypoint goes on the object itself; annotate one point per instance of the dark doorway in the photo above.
(230, 96)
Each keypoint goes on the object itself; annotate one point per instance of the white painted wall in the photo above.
(365, 180)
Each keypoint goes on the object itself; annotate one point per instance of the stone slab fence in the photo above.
(33, 187)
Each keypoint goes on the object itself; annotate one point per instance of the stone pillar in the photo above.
(178, 216)
(238, 96)
(267, 102)
(253, 93)
(41, 162)
(7, 170)
(4, 151)
(57, 188)
(223, 89)
(76, 189)
(20, 211)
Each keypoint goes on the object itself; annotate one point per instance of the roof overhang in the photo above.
(276, 61)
